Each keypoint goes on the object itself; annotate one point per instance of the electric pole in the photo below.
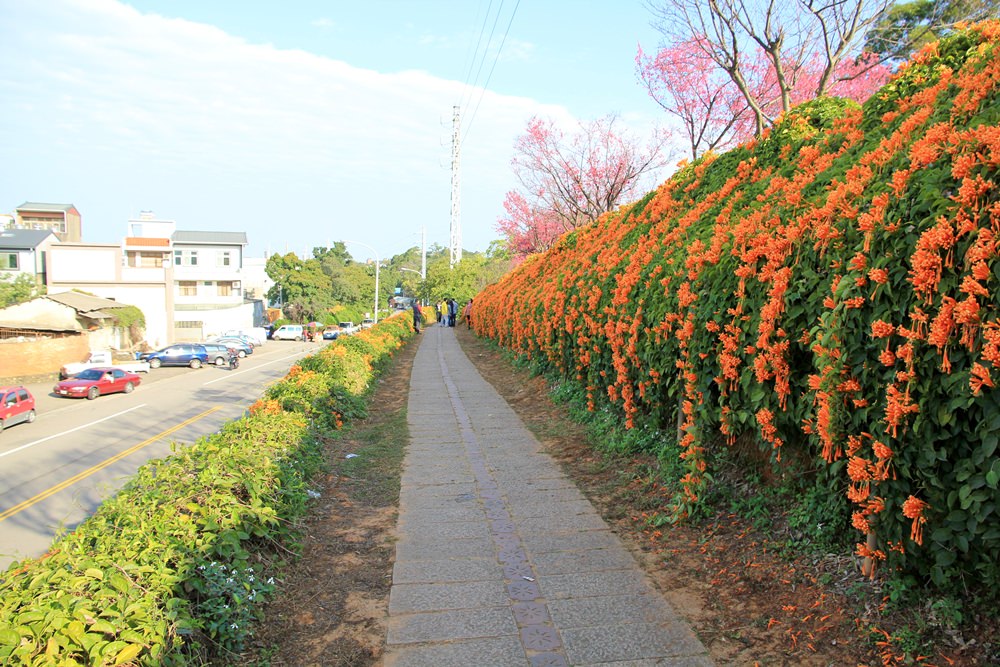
(456, 223)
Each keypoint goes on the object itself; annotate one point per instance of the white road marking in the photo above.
(59, 435)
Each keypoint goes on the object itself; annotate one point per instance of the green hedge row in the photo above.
(163, 573)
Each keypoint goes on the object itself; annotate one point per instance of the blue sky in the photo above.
(300, 122)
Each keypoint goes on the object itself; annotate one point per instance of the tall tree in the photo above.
(18, 290)
(766, 48)
(570, 180)
(908, 26)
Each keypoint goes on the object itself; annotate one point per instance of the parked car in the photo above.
(367, 323)
(95, 382)
(347, 327)
(16, 405)
(249, 340)
(178, 354)
(98, 359)
(257, 335)
(288, 332)
(331, 332)
(218, 353)
(242, 347)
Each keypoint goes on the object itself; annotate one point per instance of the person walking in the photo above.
(467, 314)
(417, 315)
(452, 312)
(443, 313)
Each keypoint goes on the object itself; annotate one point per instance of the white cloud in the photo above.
(220, 133)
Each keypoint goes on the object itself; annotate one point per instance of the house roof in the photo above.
(40, 206)
(39, 314)
(214, 238)
(86, 304)
(23, 239)
(137, 241)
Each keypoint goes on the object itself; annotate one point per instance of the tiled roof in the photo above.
(40, 206)
(85, 304)
(23, 238)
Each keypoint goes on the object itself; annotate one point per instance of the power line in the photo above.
(479, 40)
(493, 67)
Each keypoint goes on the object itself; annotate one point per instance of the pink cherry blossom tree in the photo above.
(569, 180)
(772, 53)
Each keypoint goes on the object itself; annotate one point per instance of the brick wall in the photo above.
(40, 359)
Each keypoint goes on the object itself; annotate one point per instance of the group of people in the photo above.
(447, 314)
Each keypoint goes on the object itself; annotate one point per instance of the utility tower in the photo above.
(456, 222)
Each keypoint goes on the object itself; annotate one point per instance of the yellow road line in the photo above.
(20, 507)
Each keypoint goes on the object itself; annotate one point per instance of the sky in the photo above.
(302, 122)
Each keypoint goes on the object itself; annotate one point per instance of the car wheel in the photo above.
(1, 425)
(298, 339)
(31, 416)
(154, 363)
(243, 354)
(128, 387)
(221, 361)
(93, 393)
(195, 363)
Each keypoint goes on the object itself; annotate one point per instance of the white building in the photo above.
(188, 284)
(25, 251)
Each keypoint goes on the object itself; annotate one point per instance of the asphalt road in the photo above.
(56, 471)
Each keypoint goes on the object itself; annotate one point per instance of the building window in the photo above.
(224, 288)
(186, 257)
(9, 261)
(187, 287)
(145, 260)
(224, 258)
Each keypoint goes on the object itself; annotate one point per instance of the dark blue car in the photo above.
(178, 354)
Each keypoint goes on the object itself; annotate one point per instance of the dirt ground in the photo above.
(746, 604)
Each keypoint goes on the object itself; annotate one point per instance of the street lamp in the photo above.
(423, 275)
(375, 314)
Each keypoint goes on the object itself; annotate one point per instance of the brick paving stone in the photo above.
(444, 570)
(610, 610)
(450, 625)
(492, 652)
(409, 598)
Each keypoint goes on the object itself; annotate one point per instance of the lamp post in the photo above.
(365, 245)
(423, 276)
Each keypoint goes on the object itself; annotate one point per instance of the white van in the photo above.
(288, 332)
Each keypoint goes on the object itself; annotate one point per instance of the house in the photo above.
(25, 251)
(61, 219)
(39, 336)
(137, 273)
(208, 274)
(188, 284)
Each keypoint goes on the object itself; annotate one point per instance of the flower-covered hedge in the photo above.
(163, 573)
(829, 291)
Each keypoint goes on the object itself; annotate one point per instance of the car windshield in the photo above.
(89, 374)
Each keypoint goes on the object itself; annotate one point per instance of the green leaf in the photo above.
(128, 653)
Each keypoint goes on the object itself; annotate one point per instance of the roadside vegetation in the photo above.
(173, 570)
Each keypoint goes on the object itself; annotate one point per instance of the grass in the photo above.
(375, 468)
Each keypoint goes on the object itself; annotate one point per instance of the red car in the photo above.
(96, 381)
(16, 405)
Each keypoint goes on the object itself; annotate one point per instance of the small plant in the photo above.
(228, 601)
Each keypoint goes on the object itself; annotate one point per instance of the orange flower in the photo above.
(881, 329)
(880, 276)
(980, 378)
(913, 508)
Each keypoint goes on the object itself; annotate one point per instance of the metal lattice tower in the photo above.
(456, 222)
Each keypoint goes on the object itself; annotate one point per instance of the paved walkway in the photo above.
(500, 559)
